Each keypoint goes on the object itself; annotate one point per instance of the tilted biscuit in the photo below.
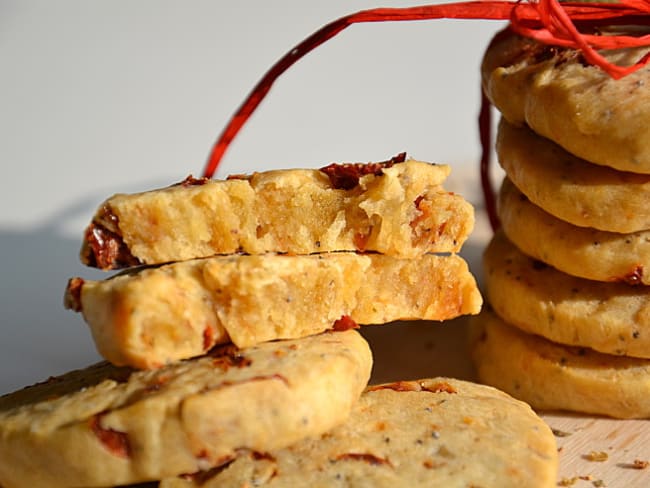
(579, 251)
(107, 426)
(613, 318)
(157, 315)
(397, 208)
(570, 188)
(432, 432)
(578, 106)
(550, 376)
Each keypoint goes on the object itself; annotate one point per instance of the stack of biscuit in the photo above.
(231, 355)
(275, 255)
(568, 322)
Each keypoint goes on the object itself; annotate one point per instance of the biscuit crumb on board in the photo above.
(560, 433)
(568, 481)
(636, 464)
(597, 456)
(640, 464)
(574, 479)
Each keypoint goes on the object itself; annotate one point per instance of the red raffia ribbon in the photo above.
(546, 21)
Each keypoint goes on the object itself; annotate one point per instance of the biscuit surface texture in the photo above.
(579, 251)
(431, 432)
(578, 106)
(158, 315)
(108, 426)
(550, 376)
(570, 188)
(609, 317)
(400, 210)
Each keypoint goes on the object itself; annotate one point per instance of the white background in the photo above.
(99, 97)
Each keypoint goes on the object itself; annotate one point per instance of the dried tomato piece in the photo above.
(344, 323)
(72, 298)
(115, 441)
(229, 356)
(208, 338)
(345, 176)
(106, 249)
(192, 181)
(634, 277)
(368, 458)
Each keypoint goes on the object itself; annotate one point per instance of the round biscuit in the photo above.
(107, 426)
(431, 432)
(579, 251)
(578, 106)
(570, 188)
(613, 318)
(550, 376)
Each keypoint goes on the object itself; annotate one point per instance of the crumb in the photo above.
(568, 481)
(597, 456)
(560, 433)
(640, 464)
(598, 483)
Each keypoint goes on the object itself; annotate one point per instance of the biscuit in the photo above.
(432, 432)
(613, 318)
(157, 315)
(550, 376)
(396, 208)
(107, 426)
(570, 188)
(578, 106)
(579, 251)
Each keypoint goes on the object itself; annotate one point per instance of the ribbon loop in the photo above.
(567, 24)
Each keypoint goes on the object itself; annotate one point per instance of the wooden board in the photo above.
(411, 350)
